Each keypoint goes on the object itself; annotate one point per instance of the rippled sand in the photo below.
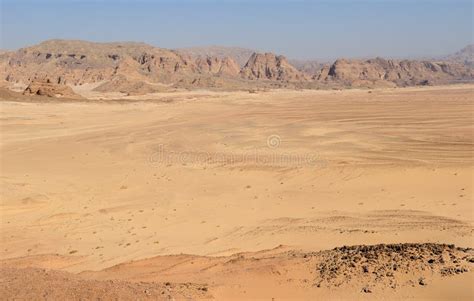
(213, 174)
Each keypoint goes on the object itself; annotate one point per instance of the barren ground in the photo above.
(110, 191)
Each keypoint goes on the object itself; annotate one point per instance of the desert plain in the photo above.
(237, 195)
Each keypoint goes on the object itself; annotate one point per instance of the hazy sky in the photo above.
(298, 29)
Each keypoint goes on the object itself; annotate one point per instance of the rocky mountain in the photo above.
(138, 68)
(123, 66)
(385, 72)
(80, 62)
(270, 67)
(242, 55)
(238, 54)
(220, 66)
(463, 56)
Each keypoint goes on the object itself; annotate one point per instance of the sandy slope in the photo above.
(214, 174)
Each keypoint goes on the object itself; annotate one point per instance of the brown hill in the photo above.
(124, 84)
(225, 66)
(270, 67)
(137, 68)
(78, 62)
(81, 62)
(380, 71)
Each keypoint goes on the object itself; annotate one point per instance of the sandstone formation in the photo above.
(79, 62)
(270, 67)
(138, 68)
(389, 265)
(50, 89)
(380, 71)
(213, 65)
(238, 54)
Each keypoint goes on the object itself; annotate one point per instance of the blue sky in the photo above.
(298, 29)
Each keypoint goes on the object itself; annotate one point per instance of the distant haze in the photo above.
(297, 29)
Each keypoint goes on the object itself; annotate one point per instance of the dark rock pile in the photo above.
(390, 265)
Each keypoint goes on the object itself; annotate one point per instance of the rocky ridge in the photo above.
(381, 71)
(138, 68)
(390, 265)
(238, 54)
(270, 67)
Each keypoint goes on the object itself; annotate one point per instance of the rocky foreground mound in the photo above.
(354, 270)
(47, 88)
(238, 54)
(80, 62)
(390, 266)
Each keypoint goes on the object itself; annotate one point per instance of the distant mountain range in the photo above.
(242, 55)
(238, 54)
(138, 68)
(464, 56)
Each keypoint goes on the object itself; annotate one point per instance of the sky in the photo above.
(298, 29)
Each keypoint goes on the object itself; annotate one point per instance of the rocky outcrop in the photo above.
(399, 72)
(229, 67)
(269, 66)
(79, 62)
(213, 65)
(390, 265)
(50, 89)
(237, 54)
(141, 68)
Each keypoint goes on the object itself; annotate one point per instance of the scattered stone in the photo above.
(381, 264)
(366, 290)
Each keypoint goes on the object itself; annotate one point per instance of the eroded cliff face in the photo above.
(213, 65)
(119, 67)
(269, 66)
(397, 72)
(79, 62)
